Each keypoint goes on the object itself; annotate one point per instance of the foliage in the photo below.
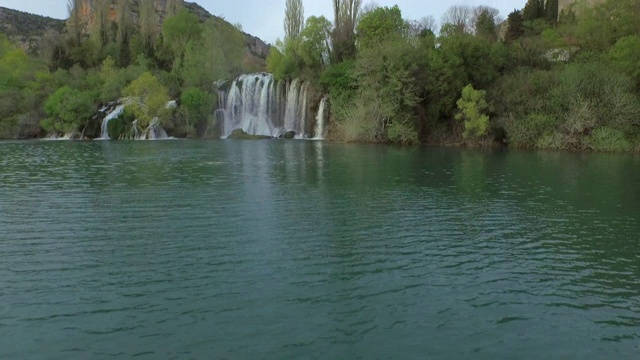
(516, 26)
(68, 109)
(149, 99)
(178, 31)
(625, 55)
(472, 105)
(314, 44)
(197, 108)
(378, 25)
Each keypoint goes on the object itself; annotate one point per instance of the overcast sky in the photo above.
(263, 18)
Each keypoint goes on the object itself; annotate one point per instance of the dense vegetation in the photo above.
(108, 56)
(538, 80)
(541, 80)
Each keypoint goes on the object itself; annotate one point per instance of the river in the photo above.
(302, 249)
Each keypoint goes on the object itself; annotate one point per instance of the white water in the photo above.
(260, 105)
(320, 119)
(104, 135)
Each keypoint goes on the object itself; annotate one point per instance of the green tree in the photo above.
(516, 27)
(378, 25)
(533, 10)
(178, 31)
(197, 107)
(472, 105)
(551, 11)
(149, 99)
(68, 109)
(486, 25)
(625, 55)
(148, 24)
(314, 44)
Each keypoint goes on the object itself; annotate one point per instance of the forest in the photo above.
(537, 79)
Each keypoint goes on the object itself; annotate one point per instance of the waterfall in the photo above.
(260, 105)
(320, 119)
(104, 135)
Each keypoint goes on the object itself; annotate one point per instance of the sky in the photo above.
(263, 18)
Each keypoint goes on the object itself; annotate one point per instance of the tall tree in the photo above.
(346, 14)
(533, 10)
(516, 26)
(100, 27)
(551, 11)
(148, 23)
(125, 30)
(293, 19)
(485, 25)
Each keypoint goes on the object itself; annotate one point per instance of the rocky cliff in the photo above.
(565, 4)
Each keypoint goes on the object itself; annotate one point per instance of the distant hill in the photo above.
(27, 29)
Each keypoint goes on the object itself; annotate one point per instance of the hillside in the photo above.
(26, 29)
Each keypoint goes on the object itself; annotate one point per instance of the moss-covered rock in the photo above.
(240, 134)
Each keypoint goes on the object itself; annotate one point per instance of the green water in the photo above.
(294, 249)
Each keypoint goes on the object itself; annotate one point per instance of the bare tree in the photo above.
(293, 19)
(460, 16)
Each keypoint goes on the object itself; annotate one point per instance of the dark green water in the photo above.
(290, 250)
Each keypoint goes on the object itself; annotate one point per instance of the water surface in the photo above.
(289, 250)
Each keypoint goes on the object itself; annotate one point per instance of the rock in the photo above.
(288, 135)
(240, 134)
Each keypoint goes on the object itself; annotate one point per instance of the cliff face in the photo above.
(564, 4)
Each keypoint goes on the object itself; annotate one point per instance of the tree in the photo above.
(625, 55)
(485, 25)
(125, 31)
(149, 99)
(178, 31)
(551, 11)
(314, 44)
(516, 27)
(68, 109)
(460, 17)
(346, 14)
(378, 25)
(197, 107)
(533, 10)
(472, 104)
(148, 24)
(75, 20)
(217, 54)
(293, 19)
(101, 22)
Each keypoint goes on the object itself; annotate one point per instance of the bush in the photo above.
(68, 109)
(608, 139)
(472, 104)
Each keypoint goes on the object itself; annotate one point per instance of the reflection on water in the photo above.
(278, 249)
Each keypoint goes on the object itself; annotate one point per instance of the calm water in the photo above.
(290, 250)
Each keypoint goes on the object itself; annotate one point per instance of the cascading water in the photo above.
(260, 105)
(104, 135)
(320, 119)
